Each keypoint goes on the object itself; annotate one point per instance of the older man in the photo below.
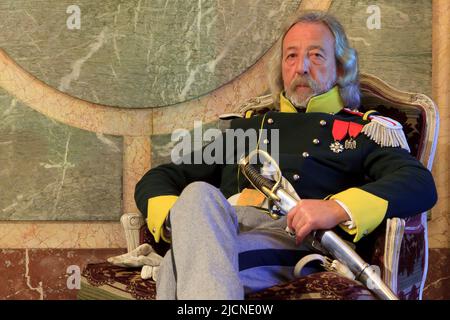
(221, 251)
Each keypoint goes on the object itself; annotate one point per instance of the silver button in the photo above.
(154, 230)
(366, 232)
(316, 141)
(305, 154)
(296, 177)
(270, 121)
(323, 123)
(266, 141)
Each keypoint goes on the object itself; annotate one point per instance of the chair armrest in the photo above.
(404, 258)
(132, 223)
(413, 260)
(395, 228)
(383, 249)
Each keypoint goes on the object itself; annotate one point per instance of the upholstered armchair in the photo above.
(398, 246)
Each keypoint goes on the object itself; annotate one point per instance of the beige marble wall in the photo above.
(47, 235)
(439, 226)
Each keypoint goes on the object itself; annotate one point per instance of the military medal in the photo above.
(354, 130)
(339, 131)
(350, 144)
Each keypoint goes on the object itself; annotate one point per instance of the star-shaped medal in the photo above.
(336, 147)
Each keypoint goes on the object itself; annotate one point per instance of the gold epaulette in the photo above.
(251, 107)
(385, 131)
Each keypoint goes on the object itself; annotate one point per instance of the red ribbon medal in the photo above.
(339, 131)
(354, 130)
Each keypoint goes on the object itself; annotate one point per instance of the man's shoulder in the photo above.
(383, 130)
(356, 115)
(251, 108)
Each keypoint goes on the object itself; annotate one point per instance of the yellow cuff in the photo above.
(367, 211)
(157, 211)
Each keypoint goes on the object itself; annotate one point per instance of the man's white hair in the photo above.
(346, 59)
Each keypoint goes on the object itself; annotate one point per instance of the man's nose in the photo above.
(302, 65)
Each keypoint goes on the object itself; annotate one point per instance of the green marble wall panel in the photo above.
(400, 51)
(162, 144)
(50, 171)
(139, 53)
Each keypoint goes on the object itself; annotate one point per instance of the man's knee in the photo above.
(193, 196)
(198, 189)
(196, 198)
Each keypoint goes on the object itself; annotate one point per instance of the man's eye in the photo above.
(317, 57)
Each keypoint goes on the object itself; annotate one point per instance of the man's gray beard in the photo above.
(297, 101)
(301, 101)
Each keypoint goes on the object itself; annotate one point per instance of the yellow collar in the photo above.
(328, 102)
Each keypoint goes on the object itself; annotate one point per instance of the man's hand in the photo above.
(309, 215)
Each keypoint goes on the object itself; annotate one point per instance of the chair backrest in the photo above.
(420, 119)
(416, 111)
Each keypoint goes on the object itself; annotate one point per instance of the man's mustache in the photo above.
(304, 81)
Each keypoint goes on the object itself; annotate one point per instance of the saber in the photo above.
(328, 240)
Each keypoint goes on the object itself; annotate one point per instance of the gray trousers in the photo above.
(223, 252)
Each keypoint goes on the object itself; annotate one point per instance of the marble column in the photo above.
(439, 225)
